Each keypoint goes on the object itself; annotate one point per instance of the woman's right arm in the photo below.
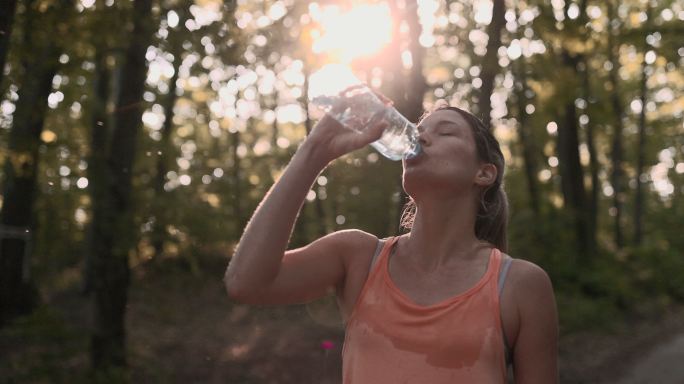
(261, 271)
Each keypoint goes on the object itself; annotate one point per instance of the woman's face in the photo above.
(449, 158)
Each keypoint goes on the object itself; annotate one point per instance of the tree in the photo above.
(521, 91)
(490, 62)
(113, 229)
(6, 24)
(39, 67)
(590, 134)
(617, 175)
(164, 155)
(100, 125)
(592, 212)
(641, 141)
(571, 172)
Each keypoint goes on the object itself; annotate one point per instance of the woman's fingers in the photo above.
(383, 98)
(361, 139)
(375, 131)
(353, 87)
(337, 138)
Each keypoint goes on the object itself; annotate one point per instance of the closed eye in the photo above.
(446, 128)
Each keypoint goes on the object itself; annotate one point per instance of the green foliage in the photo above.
(658, 271)
(580, 312)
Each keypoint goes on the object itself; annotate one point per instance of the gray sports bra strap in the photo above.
(378, 248)
(504, 271)
(508, 352)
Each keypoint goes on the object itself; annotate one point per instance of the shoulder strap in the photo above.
(503, 272)
(508, 352)
(378, 248)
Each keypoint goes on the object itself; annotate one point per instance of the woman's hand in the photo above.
(330, 139)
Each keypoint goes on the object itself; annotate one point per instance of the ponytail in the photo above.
(492, 220)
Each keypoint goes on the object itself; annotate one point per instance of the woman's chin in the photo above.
(413, 183)
(413, 168)
(418, 181)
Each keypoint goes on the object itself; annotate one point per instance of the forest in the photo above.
(137, 137)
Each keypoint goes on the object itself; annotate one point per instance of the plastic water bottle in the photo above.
(358, 107)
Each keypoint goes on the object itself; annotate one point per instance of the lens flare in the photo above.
(347, 35)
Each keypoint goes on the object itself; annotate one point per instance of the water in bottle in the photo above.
(357, 107)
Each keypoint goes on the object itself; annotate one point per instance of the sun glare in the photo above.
(347, 35)
(331, 80)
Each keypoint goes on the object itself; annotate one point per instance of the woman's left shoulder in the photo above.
(527, 276)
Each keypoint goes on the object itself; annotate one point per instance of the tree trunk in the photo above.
(526, 139)
(164, 155)
(641, 159)
(592, 212)
(97, 162)
(572, 179)
(6, 20)
(591, 216)
(490, 62)
(641, 144)
(416, 80)
(17, 293)
(570, 167)
(114, 233)
(521, 89)
(617, 174)
(392, 71)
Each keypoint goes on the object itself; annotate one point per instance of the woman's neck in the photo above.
(443, 232)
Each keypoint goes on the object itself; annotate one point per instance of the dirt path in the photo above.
(663, 365)
(639, 348)
(185, 330)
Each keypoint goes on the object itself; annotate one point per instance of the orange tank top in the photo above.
(390, 339)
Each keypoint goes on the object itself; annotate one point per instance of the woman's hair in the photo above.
(492, 213)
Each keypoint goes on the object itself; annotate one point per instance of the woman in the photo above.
(429, 306)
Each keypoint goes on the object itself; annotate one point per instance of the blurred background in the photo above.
(138, 136)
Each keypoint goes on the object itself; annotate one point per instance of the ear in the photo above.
(486, 175)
